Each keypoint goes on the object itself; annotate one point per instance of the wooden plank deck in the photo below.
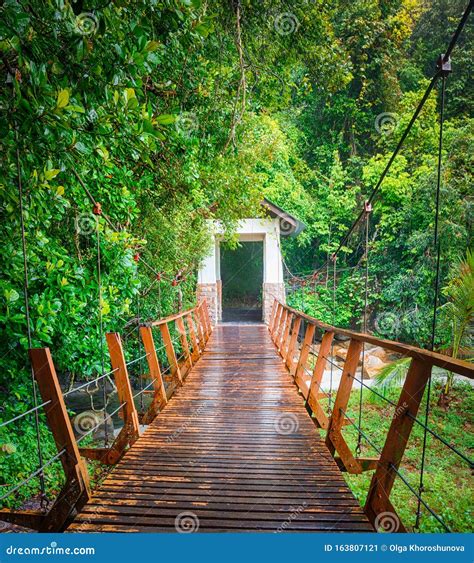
(234, 450)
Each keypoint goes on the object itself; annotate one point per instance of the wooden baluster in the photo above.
(290, 356)
(76, 491)
(281, 340)
(378, 498)
(280, 328)
(131, 429)
(207, 318)
(276, 320)
(159, 393)
(170, 354)
(334, 439)
(272, 316)
(315, 389)
(286, 337)
(202, 340)
(192, 333)
(188, 363)
(201, 320)
(300, 374)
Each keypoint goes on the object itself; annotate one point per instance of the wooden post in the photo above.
(286, 337)
(334, 439)
(192, 334)
(315, 388)
(200, 320)
(276, 322)
(207, 318)
(280, 329)
(290, 356)
(188, 363)
(131, 429)
(378, 498)
(170, 354)
(159, 393)
(202, 340)
(76, 490)
(305, 348)
(272, 316)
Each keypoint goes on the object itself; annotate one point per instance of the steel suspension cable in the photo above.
(368, 209)
(40, 471)
(97, 213)
(443, 60)
(437, 246)
(333, 324)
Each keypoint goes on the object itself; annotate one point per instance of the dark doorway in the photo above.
(242, 279)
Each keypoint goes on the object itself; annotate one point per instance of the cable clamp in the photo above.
(367, 207)
(97, 209)
(444, 66)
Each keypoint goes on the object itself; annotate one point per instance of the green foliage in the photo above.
(447, 479)
(150, 105)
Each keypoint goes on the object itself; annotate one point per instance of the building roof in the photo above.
(289, 224)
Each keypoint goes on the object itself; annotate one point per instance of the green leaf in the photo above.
(152, 46)
(50, 174)
(165, 119)
(63, 99)
(11, 295)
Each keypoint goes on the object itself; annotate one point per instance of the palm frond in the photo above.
(392, 376)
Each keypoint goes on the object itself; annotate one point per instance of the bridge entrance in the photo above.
(242, 278)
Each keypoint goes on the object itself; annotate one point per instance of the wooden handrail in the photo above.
(460, 367)
(284, 328)
(171, 318)
(76, 490)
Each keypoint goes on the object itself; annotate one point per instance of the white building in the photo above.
(214, 279)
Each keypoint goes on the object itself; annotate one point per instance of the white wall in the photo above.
(266, 230)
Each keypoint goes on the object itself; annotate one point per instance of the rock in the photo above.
(340, 352)
(372, 366)
(379, 353)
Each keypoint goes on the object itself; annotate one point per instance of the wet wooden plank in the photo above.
(235, 448)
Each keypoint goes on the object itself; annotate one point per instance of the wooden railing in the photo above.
(293, 333)
(193, 329)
